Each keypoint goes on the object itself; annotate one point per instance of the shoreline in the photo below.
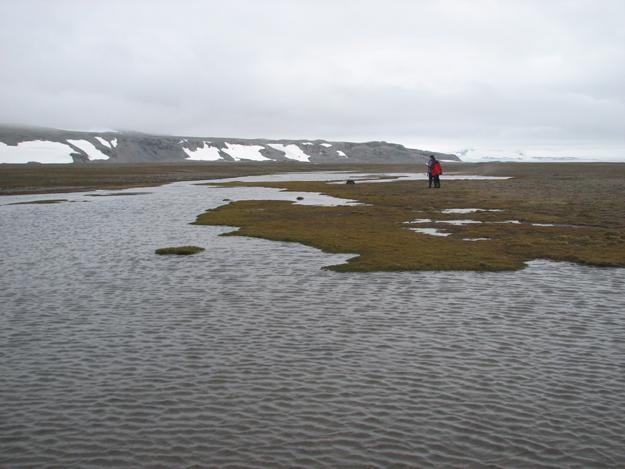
(557, 213)
(57, 179)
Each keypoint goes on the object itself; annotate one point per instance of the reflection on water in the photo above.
(251, 354)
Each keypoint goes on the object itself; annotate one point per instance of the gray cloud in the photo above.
(449, 73)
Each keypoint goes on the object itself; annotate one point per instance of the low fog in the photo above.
(520, 77)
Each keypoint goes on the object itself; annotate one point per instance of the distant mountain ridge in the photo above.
(44, 145)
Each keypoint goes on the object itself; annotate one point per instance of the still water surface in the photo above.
(250, 354)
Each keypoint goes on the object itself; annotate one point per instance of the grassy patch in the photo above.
(579, 198)
(179, 250)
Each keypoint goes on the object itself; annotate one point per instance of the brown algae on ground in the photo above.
(590, 222)
(179, 250)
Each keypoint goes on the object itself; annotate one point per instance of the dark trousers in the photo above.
(430, 180)
(437, 181)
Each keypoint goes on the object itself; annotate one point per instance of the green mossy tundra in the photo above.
(179, 250)
(586, 203)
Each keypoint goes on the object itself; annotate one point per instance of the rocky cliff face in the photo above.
(41, 145)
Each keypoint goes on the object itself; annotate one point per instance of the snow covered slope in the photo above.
(39, 151)
(41, 145)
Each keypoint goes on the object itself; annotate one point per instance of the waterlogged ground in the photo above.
(250, 354)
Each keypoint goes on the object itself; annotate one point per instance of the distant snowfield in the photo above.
(205, 153)
(548, 154)
(245, 152)
(291, 151)
(327, 145)
(90, 149)
(112, 144)
(40, 151)
(340, 153)
(47, 152)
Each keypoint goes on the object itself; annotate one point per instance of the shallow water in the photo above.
(249, 354)
(340, 177)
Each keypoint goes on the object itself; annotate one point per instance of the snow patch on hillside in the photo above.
(111, 144)
(327, 145)
(90, 149)
(40, 151)
(340, 153)
(245, 152)
(104, 142)
(204, 153)
(292, 151)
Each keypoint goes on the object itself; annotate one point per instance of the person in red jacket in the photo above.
(436, 171)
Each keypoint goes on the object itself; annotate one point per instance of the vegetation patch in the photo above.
(46, 178)
(117, 194)
(40, 202)
(578, 198)
(179, 250)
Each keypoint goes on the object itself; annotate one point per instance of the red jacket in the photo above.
(436, 169)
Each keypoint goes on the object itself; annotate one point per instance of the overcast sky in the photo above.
(526, 75)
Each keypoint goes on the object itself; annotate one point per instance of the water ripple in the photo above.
(250, 355)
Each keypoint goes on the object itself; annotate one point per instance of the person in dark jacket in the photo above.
(430, 162)
(436, 172)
